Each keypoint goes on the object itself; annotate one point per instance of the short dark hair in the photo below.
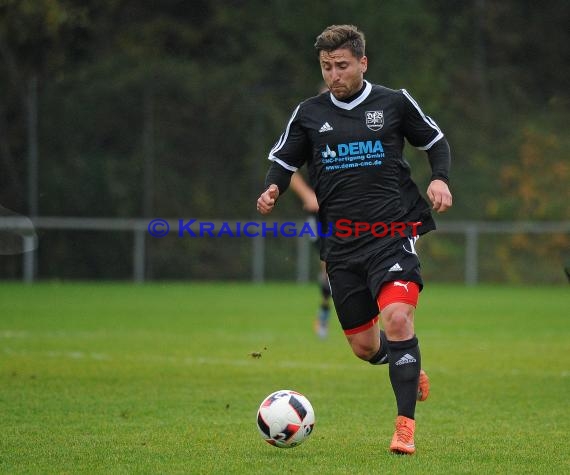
(341, 37)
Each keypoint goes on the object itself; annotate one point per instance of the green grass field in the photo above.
(158, 378)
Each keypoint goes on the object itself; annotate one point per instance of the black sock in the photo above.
(382, 356)
(405, 364)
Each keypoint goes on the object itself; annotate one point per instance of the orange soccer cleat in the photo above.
(403, 440)
(423, 386)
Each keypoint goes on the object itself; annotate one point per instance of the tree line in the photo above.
(135, 108)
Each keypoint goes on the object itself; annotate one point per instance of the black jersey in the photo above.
(354, 155)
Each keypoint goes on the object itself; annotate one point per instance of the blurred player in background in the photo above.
(311, 205)
(352, 140)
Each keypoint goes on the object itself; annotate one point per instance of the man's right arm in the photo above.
(278, 175)
(287, 155)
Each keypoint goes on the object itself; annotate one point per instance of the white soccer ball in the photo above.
(285, 418)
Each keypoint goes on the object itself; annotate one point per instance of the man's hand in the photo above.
(439, 195)
(266, 200)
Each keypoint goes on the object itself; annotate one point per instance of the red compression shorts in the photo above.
(398, 291)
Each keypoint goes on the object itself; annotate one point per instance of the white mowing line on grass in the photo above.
(14, 334)
(281, 364)
(247, 361)
(72, 355)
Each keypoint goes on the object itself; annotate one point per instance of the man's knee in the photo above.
(397, 318)
(398, 321)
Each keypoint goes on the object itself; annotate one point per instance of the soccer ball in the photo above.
(285, 418)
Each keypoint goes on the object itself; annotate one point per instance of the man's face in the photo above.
(342, 72)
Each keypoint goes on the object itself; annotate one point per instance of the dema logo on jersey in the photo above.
(367, 153)
(355, 150)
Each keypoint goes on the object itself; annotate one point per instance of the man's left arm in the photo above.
(438, 192)
(423, 133)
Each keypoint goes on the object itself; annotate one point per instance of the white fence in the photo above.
(471, 231)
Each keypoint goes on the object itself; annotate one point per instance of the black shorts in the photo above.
(356, 282)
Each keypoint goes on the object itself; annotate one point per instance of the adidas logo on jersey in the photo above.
(406, 359)
(326, 127)
(395, 268)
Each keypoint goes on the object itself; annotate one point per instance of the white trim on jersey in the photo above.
(282, 163)
(351, 105)
(428, 120)
(279, 145)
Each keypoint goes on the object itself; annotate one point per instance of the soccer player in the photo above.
(311, 205)
(370, 211)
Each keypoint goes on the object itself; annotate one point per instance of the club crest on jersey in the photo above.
(374, 120)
